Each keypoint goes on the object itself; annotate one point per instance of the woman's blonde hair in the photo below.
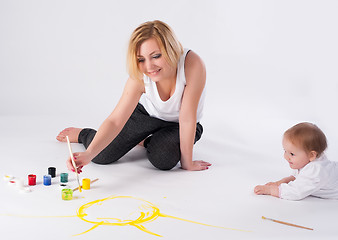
(170, 47)
(308, 137)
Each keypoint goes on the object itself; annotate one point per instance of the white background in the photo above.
(270, 65)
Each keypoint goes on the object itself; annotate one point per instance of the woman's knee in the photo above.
(164, 159)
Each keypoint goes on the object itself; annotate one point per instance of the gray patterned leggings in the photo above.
(162, 140)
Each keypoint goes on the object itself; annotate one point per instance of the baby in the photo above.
(314, 174)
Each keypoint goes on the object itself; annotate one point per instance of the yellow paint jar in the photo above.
(86, 183)
(67, 194)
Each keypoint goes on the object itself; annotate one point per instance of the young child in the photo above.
(314, 174)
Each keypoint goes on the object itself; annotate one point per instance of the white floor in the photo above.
(221, 196)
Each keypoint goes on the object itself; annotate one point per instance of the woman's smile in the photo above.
(154, 73)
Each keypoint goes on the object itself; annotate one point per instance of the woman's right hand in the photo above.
(81, 159)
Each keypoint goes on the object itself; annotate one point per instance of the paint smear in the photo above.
(100, 212)
(146, 212)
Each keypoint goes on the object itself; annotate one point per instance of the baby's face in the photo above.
(296, 156)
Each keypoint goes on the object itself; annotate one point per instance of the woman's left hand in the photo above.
(197, 166)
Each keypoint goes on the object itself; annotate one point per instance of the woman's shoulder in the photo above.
(193, 59)
(194, 66)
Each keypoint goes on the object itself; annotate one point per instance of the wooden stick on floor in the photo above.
(285, 223)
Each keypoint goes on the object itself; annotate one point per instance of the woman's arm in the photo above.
(195, 74)
(113, 124)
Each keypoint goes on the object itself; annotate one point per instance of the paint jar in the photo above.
(67, 194)
(31, 179)
(47, 180)
(52, 171)
(64, 177)
(86, 183)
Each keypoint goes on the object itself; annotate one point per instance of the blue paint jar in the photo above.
(47, 180)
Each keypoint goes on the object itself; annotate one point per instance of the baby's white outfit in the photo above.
(318, 178)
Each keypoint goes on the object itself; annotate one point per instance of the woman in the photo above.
(160, 107)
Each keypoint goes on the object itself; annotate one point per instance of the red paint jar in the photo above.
(31, 179)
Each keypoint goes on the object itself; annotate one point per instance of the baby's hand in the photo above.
(262, 189)
(272, 184)
(267, 189)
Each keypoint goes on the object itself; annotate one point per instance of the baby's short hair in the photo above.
(307, 136)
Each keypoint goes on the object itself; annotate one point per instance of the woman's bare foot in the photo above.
(71, 132)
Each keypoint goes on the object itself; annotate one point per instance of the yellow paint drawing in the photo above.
(100, 212)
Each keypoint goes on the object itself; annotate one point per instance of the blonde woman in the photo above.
(160, 108)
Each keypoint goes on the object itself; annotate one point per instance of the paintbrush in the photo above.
(73, 163)
(90, 183)
(285, 223)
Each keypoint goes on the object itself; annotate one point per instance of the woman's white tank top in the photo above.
(168, 110)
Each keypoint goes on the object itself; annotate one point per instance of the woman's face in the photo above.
(152, 62)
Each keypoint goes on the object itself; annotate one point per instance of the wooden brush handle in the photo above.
(293, 225)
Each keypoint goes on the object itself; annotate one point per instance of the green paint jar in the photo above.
(67, 194)
(64, 177)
